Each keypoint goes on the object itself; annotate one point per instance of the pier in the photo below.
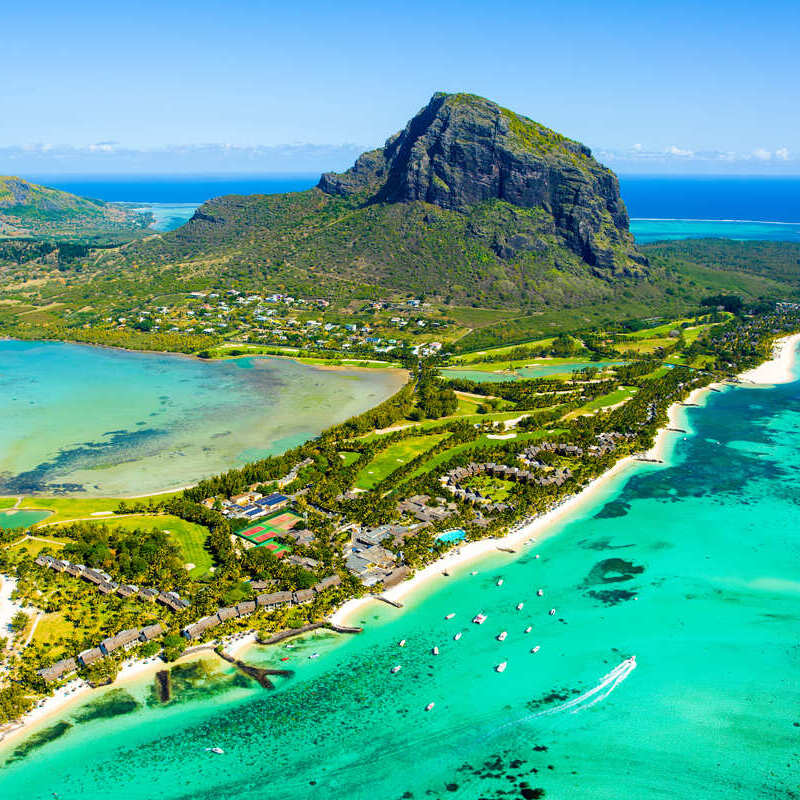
(258, 674)
(677, 430)
(385, 599)
(506, 549)
(164, 685)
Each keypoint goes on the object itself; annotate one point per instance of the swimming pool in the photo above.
(455, 535)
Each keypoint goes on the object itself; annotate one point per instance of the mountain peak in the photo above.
(462, 150)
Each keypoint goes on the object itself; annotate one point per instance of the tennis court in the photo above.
(267, 530)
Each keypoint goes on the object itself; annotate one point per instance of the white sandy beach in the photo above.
(779, 369)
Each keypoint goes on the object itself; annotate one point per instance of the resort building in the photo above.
(58, 670)
(90, 656)
(123, 639)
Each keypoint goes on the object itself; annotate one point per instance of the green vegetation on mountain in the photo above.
(28, 210)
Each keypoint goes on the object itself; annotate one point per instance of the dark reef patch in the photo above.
(611, 597)
(38, 740)
(111, 704)
(612, 570)
(614, 508)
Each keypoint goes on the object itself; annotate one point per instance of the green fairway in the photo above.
(348, 457)
(604, 401)
(189, 536)
(7, 502)
(395, 456)
(67, 508)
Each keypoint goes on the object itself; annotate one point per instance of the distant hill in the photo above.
(28, 210)
(470, 204)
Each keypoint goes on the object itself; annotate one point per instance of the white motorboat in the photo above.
(216, 750)
(457, 636)
(436, 651)
(429, 706)
(529, 629)
(519, 606)
(396, 669)
(479, 619)
(450, 616)
(402, 643)
(539, 593)
(314, 655)
(501, 667)
(552, 612)
(499, 581)
(535, 649)
(501, 637)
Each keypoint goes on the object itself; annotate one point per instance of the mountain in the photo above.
(461, 151)
(470, 204)
(28, 210)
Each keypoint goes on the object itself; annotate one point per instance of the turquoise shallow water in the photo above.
(691, 567)
(21, 518)
(653, 230)
(103, 421)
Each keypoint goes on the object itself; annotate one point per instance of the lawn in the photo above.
(395, 456)
(496, 489)
(7, 502)
(604, 401)
(34, 546)
(68, 508)
(51, 628)
(348, 457)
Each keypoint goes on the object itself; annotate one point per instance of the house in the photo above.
(304, 561)
(303, 596)
(76, 570)
(274, 501)
(43, 561)
(371, 537)
(105, 587)
(246, 607)
(328, 583)
(172, 601)
(224, 614)
(299, 537)
(127, 590)
(60, 566)
(150, 632)
(355, 562)
(93, 576)
(122, 639)
(378, 555)
(273, 600)
(58, 670)
(258, 586)
(197, 629)
(149, 594)
(246, 498)
(90, 656)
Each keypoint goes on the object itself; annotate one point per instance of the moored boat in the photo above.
(450, 616)
(539, 593)
(216, 750)
(457, 636)
(435, 651)
(552, 612)
(396, 669)
(499, 581)
(529, 629)
(501, 667)
(402, 643)
(519, 606)
(535, 649)
(429, 706)
(501, 637)
(479, 619)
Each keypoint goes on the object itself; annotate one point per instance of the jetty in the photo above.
(312, 626)
(258, 674)
(164, 685)
(677, 430)
(395, 603)
(695, 405)
(506, 549)
(649, 460)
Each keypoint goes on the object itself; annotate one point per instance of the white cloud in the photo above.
(782, 153)
(676, 151)
(638, 148)
(761, 154)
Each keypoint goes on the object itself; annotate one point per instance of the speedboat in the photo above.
(285, 658)
(552, 612)
(429, 706)
(501, 637)
(479, 619)
(402, 643)
(436, 651)
(536, 556)
(396, 669)
(216, 750)
(457, 636)
(535, 649)
(474, 572)
(450, 616)
(314, 655)
(501, 667)
(529, 629)
(539, 593)
(499, 581)
(519, 606)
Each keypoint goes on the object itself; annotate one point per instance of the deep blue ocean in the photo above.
(661, 206)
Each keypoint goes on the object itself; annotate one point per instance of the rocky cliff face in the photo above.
(462, 150)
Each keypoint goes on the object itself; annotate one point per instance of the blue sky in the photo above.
(650, 86)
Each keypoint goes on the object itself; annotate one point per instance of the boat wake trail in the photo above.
(603, 689)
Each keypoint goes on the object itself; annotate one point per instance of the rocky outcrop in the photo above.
(462, 150)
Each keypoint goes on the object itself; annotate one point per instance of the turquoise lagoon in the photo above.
(103, 421)
(690, 566)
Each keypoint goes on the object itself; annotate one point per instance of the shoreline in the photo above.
(780, 366)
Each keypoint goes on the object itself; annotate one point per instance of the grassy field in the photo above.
(7, 502)
(348, 457)
(604, 401)
(395, 456)
(246, 350)
(53, 627)
(34, 546)
(68, 508)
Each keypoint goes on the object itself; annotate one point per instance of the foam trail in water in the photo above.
(603, 689)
